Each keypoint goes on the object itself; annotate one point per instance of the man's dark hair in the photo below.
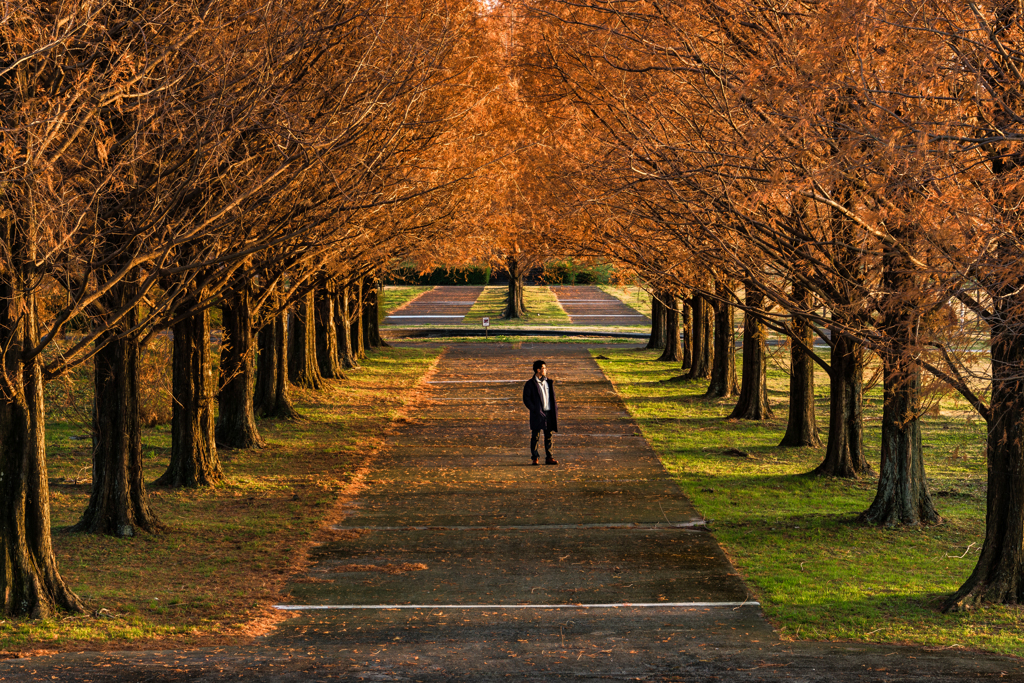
(537, 364)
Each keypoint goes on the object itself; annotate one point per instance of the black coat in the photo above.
(532, 400)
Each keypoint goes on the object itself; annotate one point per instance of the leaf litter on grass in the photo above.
(229, 550)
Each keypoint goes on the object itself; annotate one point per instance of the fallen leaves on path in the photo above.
(400, 568)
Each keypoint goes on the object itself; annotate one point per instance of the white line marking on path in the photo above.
(426, 316)
(605, 605)
(637, 315)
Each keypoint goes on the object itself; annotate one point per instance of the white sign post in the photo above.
(486, 324)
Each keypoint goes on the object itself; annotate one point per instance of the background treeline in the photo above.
(847, 173)
(166, 159)
(558, 272)
(411, 275)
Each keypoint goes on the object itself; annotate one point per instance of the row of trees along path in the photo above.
(165, 158)
(842, 171)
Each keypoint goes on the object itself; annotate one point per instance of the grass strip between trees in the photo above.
(819, 573)
(398, 295)
(635, 297)
(542, 308)
(229, 550)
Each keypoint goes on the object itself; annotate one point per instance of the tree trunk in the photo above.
(723, 369)
(343, 327)
(355, 312)
(999, 575)
(303, 367)
(265, 393)
(371, 315)
(283, 406)
(515, 306)
(902, 495)
(673, 350)
(118, 503)
(657, 338)
(844, 453)
(753, 399)
(326, 334)
(194, 460)
(30, 584)
(703, 333)
(802, 426)
(686, 330)
(236, 421)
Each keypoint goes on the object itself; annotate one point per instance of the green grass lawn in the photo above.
(818, 572)
(396, 295)
(542, 308)
(634, 297)
(210, 577)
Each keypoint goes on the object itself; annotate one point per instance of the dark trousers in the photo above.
(535, 436)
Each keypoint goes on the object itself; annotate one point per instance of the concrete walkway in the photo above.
(442, 305)
(457, 495)
(591, 305)
(461, 561)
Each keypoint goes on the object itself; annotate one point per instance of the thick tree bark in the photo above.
(283, 405)
(194, 460)
(326, 333)
(118, 503)
(515, 303)
(355, 314)
(686, 332)
(273, 390)
(371, 315)
(999, 575)
(30, 584)
(303, 367)
(703, 335)
(265, 393)
(657, 338)
(802, 426)
(515, 306)
(343, 326)
(673, 349)
(723, 369)
(902, 495)
(844, 453)
(753, 399)
(236, 421)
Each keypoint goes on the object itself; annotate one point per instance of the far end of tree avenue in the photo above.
(853, 195)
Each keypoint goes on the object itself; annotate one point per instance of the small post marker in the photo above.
(486, 323)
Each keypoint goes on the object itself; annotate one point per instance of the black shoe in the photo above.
(550, 461)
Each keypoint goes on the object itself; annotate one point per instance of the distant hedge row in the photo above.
(440, 276)
(572, 273)
(554, 273)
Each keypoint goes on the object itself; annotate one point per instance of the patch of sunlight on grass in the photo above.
(397, 295)
(541, 305)
(227, 550)
(635, 297)
(819, 572)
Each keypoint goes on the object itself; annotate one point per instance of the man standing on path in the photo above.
(539, 397)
